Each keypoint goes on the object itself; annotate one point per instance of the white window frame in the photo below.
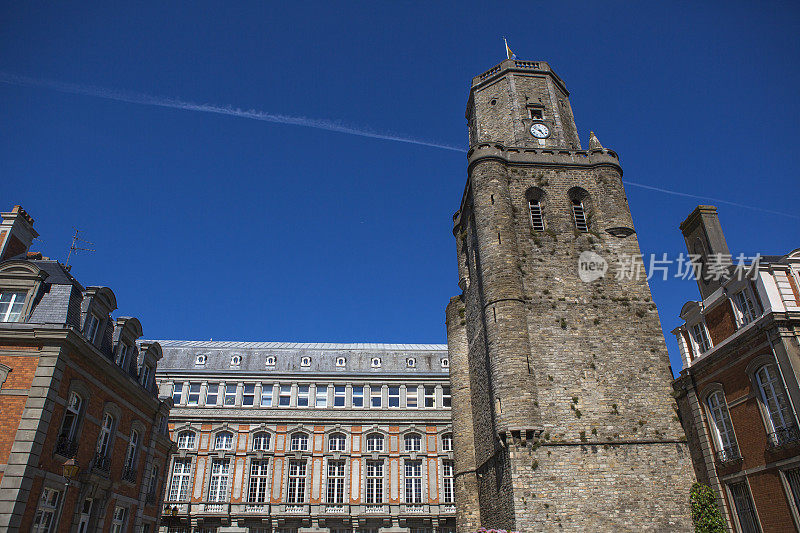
(8, 314)
(212, 391)
(248, 395)
(303, 395)
(133, 449)
(266, 395)
(72, 413)
(229, 395)
(223, 441)
(337, 442)
(180, 479)
(393, 398)
(700, 337)
(429, 397)
(412, 442)
(374, 482)
(447, 397)
(298, 442)
(745, 310)
(448, 494)
(335, 481)
(258, 482)
(261, 441)
(375, 393)
(376, 442)
(219, 480)
(284, 395)
(321, 393)
(357, 395)
(92, 326)
(721, 425)
(447, 442)
(339, 395)
(46, 511)
(296, 485)
(775, 402)
(413, 481)
(106, 433)
(187, 439)
(118, 519)
(177, 392)
(193, 397)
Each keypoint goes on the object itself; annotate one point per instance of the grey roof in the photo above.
(181, 355)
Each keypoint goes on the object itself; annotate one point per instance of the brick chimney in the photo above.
(16, 233)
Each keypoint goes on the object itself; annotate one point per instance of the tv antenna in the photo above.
(75, 248)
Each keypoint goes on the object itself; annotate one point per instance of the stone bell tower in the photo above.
(562, 414)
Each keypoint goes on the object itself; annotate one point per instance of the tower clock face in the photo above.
(540, 131)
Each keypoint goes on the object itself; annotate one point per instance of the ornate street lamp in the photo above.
(70, 470)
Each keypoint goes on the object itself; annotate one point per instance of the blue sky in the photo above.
(214, 226)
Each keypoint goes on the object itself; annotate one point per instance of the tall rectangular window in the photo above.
(579, 212)
(780, 421)
(375, 395)
(412, 394)
(700, 337)
(793, 479)
(230, 394)
(285, 396)
(297, 481)
(248, 394)
(374, 482)
(177, 392)
(11, 304)
(447, 480)
(322, 396)
(211, 393)
(104, 439)
(181, 477)
(335, 482)
(70, 421)
(302, 395)
(537, 220)
(430, 396)
(745, 512)
(194, 394)
(446, 399)
(339, 395)
(744, 307)
(218, 484)
(413, 477)
(266, 395)
(358, 396)
(118, 519)
(394, 396)
(86, 514)
(46, 511)
(91, 327)
(257, 487)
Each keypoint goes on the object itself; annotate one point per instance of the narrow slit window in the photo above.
(579, 212)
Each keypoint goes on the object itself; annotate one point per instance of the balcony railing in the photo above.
(414, 508)
(375, 509)
(129, 474)
(215, 507)
(101, 463)
(784, 436)
(293, 508)
(66, 447)
(336, 509)
(729, 455)
(448, 508)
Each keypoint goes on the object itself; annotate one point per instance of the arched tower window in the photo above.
(579, 199)
(535, 197)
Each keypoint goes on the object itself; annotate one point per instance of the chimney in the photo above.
(704, 238)
(16, 233)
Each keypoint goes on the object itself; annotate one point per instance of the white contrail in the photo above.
(708, 198)
(253, 114)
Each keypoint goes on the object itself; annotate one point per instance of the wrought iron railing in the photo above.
(129, 474)
(101, 463)
(784, 436)
(66, 447)
(729, 455)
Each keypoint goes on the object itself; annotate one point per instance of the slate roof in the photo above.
(181, 355)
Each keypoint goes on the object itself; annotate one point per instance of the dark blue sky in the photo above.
(210, 226)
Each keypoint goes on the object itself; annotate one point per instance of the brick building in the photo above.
(563, 417)
(308, 437)
(80, 445)
(738, 390)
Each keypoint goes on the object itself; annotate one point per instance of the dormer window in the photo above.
(122, 354)
(376, 362)
(146, 372)
(236, 360)
(200, 359)
(270, 360)
(305, 361)
(91, 327)
(744, 307)
(445, 362)
(340, 361)
(11, 304)
(411, 362)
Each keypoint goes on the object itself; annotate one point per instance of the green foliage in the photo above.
(705, 513)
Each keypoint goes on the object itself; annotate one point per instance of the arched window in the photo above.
(579, 199)
(445, 362)
(299, 442)
(223, 440)
(336, 442)
(106, 432)
(186, 440)
(447, 442)
(721, 427)
(778, 414)
(375, 442)
(411, 362)
(72, 413)
(375, 362)
(535, 196)
(261, 442)
(413, 442)
(133, 450)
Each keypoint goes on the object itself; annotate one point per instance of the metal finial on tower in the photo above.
(74, 248)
